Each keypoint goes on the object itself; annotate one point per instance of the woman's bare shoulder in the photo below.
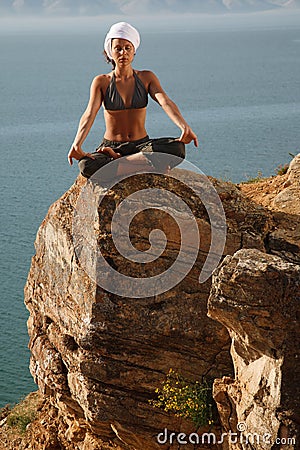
(102, 79)
(148, 74)
(148, 77)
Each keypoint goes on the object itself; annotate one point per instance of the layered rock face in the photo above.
(98, 357)
(257, 297)
(103, 355)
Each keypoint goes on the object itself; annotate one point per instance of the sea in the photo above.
(235, 78)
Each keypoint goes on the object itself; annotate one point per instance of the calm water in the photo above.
(238, 86)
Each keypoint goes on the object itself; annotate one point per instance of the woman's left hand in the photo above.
(188, 136)
(77, 153)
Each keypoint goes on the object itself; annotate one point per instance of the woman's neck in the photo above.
(123, 72)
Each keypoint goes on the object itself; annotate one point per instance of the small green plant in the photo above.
(20, 416)
(255, 179)
(188, 399)
(281, 169)
(19, 421)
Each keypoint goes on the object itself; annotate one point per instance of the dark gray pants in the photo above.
(166, 147)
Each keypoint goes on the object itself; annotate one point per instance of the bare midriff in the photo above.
(125, 125)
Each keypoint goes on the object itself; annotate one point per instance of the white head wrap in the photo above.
(121, 30)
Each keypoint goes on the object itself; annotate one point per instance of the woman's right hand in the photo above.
(77, 153)
(110, 152)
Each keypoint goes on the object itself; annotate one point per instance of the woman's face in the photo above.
(122, 51)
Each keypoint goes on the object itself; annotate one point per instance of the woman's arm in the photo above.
(87, 120)
(171, 109)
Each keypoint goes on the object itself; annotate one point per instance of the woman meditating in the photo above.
(124, 95)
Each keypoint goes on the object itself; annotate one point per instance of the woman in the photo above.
(124, 94)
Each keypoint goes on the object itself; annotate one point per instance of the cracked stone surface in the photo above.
(257, 297)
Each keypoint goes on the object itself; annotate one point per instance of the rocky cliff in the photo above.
(98, 357)
(256, 296)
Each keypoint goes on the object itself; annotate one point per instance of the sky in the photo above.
(77, 16)
(114, 7)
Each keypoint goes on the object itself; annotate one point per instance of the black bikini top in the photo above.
(114, 102)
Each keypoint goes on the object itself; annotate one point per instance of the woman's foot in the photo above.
(131, 164)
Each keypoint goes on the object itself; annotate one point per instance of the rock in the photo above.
(284, 240)
(257, 297)
(279, 193)
(288, 200)
(281, 196)
(97, 356)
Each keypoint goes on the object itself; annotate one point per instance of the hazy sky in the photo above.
(103, 7)
(81, 16)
